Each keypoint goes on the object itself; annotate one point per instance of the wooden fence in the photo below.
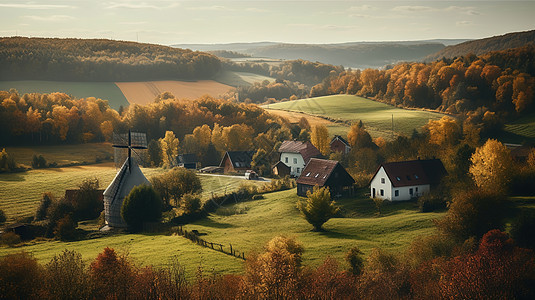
(194, 237)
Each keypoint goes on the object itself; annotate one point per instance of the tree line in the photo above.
(100, 60)
(495, 85)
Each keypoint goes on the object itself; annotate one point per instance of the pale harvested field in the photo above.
(294, 117)
(146, 91)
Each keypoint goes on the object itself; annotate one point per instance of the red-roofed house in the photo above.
(404, 180)
(323, 172)
(339, 144)
(296, 154)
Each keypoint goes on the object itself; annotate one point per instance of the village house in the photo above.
(405, 180)
(188, 161)
(237, 161)
(296, 154)
(339, 144)
(325, 173)
(280, 169)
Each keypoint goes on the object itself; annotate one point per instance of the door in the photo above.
(373, 193)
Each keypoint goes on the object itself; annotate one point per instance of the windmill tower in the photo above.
(128, 177)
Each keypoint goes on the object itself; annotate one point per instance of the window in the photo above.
(396, 193)
(295, 160)
(411, 192)
(416, 190)
(416, 177)
(308, 174)
(317, 175)
(397, 177)
(408, 177)
(382, 180)
(298, 170)
(286, 159)
(382, 192)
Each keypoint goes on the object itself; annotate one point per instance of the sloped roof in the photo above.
(239, 159)
(414, 172)
(337, 137)
(319, 171)
(127, 178)
(306, 149)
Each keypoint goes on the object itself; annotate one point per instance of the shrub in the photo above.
(20, 276)
(175, 183)
(143, 204)
(38, 162)
(379, 202)
(57, 211)
(190, 203)
(10, 238)
(87, 201)
(474, 213)
(355, 260)
(523, 229)
(430, 202)
(7, 162)
(112, 276)
(66, 276)
(45, 203)
(318, 208)
(66, 228)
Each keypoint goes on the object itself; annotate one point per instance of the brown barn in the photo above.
(237, 161)
(281, 169)
(339, 144)
(323, 172)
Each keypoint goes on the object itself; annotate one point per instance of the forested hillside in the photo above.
(99, 60)
(478, 47)
(487, 88)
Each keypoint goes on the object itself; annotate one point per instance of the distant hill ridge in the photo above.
(482, 46)
(24, 58)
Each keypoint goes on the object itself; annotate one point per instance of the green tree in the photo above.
(87, 201)
(190, 203)
(318, 208)
(154, 150)
(143, 204)
(66, 276)
(2, 217)
(175, 183)
(261, 162)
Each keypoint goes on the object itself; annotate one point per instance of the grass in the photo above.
(335, 128)
(240, 78)
(522, 129)
(63, 155)
(20, 193)
(258, 221)
(143, 249)
(103, 90)
(376, 116)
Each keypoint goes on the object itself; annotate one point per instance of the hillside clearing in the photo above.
(236, 79)
(376, 116)
(294, 117)
(103, 90)
(145, 92)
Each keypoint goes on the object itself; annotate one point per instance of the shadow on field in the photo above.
(339, 235)
(13, 177)
(211, 223)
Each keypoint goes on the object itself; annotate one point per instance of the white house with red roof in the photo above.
(296, 154)
(405, 180)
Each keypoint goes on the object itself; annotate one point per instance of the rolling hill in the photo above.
(481, 46)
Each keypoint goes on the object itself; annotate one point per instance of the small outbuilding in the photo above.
(405, 180)
(281, 169)
(237, 161)
(323, 172)
(188, 161)
(339, 144)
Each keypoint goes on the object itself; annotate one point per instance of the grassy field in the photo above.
(103, 90)
(240, 78)
(294, 117)
(522, 130)
(377, 117)
(145, 92)
(63, 155)
(240, 225)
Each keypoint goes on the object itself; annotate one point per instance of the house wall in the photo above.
(389, 191)
(338, 146)
(376, 185)
(228, 167)
(303, 188)
(295, 167)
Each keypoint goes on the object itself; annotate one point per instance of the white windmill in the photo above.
(128, 177)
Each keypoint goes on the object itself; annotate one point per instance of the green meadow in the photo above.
(376, 116)
(521, 130)
(103, 90)
(240, 78)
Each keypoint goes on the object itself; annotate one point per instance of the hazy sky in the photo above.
(171, 22)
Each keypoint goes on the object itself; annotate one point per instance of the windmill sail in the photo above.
(137, 145)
